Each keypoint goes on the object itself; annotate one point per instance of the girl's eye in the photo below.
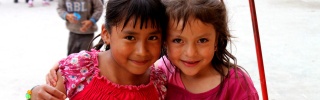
(129, 38)
(203, 40)
(153, 38)
(177, 40)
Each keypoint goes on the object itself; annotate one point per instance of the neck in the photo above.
(205, 80)
(117, 74)
(206, 72)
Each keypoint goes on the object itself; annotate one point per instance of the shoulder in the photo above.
(77, 60)
(78, 69)
(241, 85)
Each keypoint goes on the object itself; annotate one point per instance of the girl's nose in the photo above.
(142, 49)
(190, 50)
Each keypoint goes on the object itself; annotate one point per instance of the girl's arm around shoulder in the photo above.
(47, 92)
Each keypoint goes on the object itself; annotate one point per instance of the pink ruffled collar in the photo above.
(129, 87)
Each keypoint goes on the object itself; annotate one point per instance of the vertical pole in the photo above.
(258, 50)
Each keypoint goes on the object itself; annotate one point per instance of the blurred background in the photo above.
(32, 39)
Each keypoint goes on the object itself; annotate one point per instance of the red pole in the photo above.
(258, 50)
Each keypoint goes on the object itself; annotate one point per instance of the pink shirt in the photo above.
(235, 88)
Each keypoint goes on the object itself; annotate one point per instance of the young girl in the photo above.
(196, 62)
(133, 35)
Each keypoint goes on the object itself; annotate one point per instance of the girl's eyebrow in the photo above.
(180, 35)
(206, 34)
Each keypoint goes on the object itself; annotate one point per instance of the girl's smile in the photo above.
(139, 62)
(189, 63)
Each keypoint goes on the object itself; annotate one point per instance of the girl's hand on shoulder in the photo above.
(46, 92)
(51, 78)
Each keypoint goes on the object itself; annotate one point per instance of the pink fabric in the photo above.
(79, 69)
(237, 86)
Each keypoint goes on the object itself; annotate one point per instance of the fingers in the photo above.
(85, 25)
(55, 93)
(46, 92)
(54, 70)
(51, 77)
(53, 73)
(71, 18)
(46, 96)
(48, 79)
(83, 29)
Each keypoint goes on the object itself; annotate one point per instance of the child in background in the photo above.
(133, 37)
(196, 61)
(81, 17)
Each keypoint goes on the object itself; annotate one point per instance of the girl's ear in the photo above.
(105, 35)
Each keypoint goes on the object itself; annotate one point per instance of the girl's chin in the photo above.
(189, 72)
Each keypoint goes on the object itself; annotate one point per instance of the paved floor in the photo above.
(32, 39)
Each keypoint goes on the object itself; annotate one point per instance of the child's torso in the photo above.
(102, 89)
(83, 81)
(236, 87)
(85, 9)
(79, 6)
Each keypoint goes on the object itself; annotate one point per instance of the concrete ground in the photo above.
(33, 39)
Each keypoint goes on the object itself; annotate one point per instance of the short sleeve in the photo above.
(77, 70)
(241, 86)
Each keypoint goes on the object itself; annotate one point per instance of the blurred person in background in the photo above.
(16, 1)
(81, 17)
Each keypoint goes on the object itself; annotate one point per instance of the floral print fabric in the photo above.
(78, 70)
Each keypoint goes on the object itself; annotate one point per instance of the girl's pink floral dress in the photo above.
(83, 81)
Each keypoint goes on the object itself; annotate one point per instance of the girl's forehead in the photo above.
(137, 23)
(135, 26)
(181, 23)
(176, 24)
